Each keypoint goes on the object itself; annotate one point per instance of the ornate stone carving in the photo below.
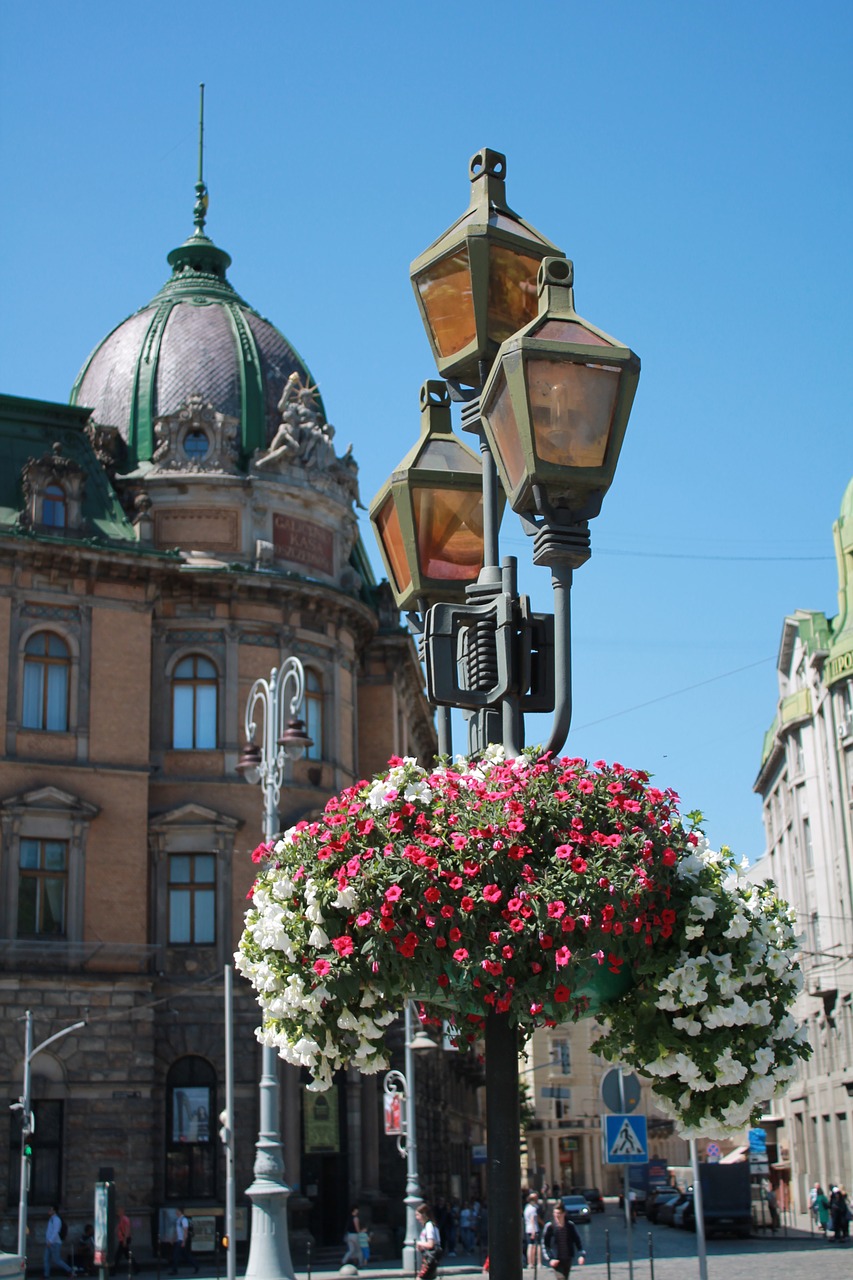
(107, 446)
(303, 443)
(53, 488)
(197, 439)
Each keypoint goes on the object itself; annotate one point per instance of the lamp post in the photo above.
(24, 1105)
(398, 1083)
(547, 396)
(269, 1250)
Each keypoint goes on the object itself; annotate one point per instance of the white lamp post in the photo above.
(407, 1142)
(24, 1104)
(269, 1251)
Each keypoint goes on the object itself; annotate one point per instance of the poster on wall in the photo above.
(191, 1114)
(320, 1114)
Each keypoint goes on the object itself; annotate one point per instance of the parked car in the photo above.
(577, 1209)
(593, 1197)
(12, 1266)
(666, 1212)
(659, 1198)
(683, 1213)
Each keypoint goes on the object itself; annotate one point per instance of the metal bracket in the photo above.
(445, 629)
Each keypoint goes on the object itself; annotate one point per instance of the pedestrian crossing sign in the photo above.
(625, 1139)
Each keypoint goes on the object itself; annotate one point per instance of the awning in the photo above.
(736, 1156)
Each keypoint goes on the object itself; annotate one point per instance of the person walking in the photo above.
(561, 1242)
(181, 1248)
(53, 1245)
(351, 1234)
(821, 1205)
(838, 1212)
(428, 1243)
(124, 1241)
(531, 1229)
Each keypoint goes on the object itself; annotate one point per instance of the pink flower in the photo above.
(492, 893)
(458, 840)
(564, 850)
(556, 909)
(343, 945)
(460, 954)
(321, 967)
(393, 893)
(579, 865)
(364, 919)
(562, 956)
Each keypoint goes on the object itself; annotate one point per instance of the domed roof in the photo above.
(195, 337)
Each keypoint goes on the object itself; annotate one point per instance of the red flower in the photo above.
(441, 943)
(443, 980)
(432, 894)
(467, 904)
(562, 994)
(262, 850)
(343, 945)
(579, 865)
(455, 934)
(492, 893)
(669, 857)
(516, 924)
(556, 909)
(546, 942)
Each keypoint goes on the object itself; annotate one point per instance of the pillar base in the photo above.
(269, 1249)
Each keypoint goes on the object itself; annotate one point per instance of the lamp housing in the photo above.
(294, 741)
(249, 763)
(428, 516)
(476, 284)
(556, 405)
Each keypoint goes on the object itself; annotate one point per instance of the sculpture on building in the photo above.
(304, 441)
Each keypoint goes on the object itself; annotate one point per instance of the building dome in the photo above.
(197, 337)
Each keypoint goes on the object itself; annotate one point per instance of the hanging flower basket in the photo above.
(542, 889)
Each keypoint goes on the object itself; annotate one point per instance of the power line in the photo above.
(683, 555)
(724, 675)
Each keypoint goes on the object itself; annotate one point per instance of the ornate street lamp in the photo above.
(428, 516)
(269, 1250)
(555, 405)
(476, 284)
(396, 1083)
(549, 396)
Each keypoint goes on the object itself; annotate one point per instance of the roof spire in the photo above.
(201, 197)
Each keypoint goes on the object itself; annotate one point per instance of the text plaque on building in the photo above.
(303, 542)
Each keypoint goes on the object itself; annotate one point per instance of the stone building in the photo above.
(168, 537)
(806, 786)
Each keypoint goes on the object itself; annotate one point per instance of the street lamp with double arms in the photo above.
(265, 763)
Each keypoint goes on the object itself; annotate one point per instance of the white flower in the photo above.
(318, 938)
(314, 913)
(702, 908)
(739, 926)
(729, 1070)
(691, 1025)
(346, 898)
(347, 1021)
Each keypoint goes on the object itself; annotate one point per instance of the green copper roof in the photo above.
(196, 336)
(35, 429)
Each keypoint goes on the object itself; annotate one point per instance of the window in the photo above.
(194, 687)
(46, 1160)
(314, 715)
(561, 1057)
(53, 509)
(192, 898)
(808, 844)
(196, 444)
(42, 888)
(47, 663)
(190, 1102)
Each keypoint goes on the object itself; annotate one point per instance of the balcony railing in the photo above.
(45, 955)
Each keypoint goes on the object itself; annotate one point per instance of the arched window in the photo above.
(194, 688)
(314, 714)
(54, 512)
(191, 1111)
(47, 663)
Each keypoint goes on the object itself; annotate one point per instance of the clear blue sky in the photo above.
(693, 159)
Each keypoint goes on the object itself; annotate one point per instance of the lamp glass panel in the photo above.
(391, 535)
(511, 224)
(445, 291)
(449, 524)
(569, 331)
(572, 409)
(446, 454)
(501, 417)
(513, 299)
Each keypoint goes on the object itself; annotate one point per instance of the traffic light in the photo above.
(225, 1134)
(28, 1150)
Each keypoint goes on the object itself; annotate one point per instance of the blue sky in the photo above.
(693, 159)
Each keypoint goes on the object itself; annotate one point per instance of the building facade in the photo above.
(175, 532)
(806, 786)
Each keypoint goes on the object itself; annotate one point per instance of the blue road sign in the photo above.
(625, 1139)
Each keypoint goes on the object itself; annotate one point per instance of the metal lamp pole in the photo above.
(269, 1250)
(407, 1143)
(24, 1104)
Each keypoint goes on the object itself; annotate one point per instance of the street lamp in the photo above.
(264, 763)
(403, 1085)
(24, 1105)
(547, 395)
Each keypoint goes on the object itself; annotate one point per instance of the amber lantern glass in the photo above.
(572, 410)
(513, 296)
(391, 538)
(448, 301)
(449, 527)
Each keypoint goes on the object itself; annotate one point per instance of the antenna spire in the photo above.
(201, 196)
